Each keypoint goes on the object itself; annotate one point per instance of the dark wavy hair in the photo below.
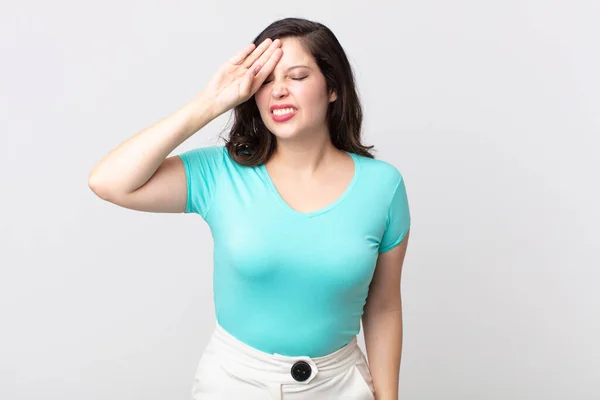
(250, 143)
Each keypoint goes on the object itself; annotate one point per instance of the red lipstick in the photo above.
(283, 118)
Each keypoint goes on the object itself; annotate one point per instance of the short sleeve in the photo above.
(202, 169)
(398, 220)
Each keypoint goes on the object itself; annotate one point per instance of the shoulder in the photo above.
(213, 155)
(380, 172)
(207, 151)
(203, 161)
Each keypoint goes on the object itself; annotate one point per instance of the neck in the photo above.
(303, 157)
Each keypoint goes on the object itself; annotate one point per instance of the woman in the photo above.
(306, 223)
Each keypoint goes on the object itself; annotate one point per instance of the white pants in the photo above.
(230, 369)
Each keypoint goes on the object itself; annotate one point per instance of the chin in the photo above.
(284, 132)
(288, 132)
(284, 136)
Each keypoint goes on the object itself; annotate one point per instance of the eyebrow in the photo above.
(298, 66)
(293, 67)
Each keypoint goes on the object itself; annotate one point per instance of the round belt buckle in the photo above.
(301, 371)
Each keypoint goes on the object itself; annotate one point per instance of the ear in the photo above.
(332, 96)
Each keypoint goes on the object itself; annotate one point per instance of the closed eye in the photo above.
(296, 79)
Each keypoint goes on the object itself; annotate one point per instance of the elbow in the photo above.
(96, 187)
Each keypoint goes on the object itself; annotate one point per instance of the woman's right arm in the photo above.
(137, 175)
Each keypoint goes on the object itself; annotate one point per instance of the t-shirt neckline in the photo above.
(322, 210)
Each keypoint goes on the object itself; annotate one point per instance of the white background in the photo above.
(491, 111)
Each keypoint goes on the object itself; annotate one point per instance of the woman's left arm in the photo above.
(382, 322)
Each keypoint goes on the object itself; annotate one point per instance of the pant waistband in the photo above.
(243, 360)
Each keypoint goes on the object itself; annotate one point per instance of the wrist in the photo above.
(203, 101)
(202, 110)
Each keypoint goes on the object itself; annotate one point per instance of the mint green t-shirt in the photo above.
(289, 282)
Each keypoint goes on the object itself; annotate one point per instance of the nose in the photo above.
(279, 90)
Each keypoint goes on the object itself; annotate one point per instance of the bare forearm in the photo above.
(133, 162)
(383, 341)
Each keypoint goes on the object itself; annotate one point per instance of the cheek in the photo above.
(315, 101)
(260, 98)
(313, 95)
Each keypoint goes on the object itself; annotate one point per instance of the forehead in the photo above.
(293, 54)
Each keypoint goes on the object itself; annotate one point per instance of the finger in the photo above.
(267, 68)
(241, 56)
(264, 46)
(267, 54)
(246, 84)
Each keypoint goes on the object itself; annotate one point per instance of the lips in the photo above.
(283, 118)
(280, 106)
